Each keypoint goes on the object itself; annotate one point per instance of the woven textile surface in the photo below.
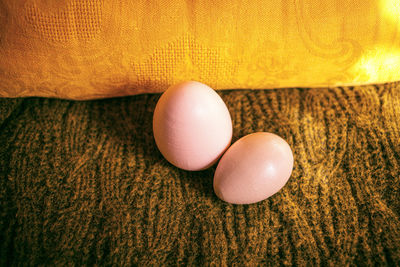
(87, 49)
(82, 182)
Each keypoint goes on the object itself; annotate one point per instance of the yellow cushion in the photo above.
(85, 49)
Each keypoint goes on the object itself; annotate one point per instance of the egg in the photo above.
(254, 168)
(192, 126)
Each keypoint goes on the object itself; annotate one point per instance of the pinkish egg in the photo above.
(254, 168)
(192, 126)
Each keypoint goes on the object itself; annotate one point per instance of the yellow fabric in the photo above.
(86, 49)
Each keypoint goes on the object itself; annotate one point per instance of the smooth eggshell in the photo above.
(192, 126)
(254, 168)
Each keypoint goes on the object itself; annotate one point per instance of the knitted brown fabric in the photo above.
(83, 183)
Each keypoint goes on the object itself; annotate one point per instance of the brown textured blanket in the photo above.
(83, 183)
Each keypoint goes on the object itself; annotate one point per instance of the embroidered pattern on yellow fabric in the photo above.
(84, 49)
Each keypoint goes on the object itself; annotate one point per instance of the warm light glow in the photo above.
(379, 64)
(391, 8)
